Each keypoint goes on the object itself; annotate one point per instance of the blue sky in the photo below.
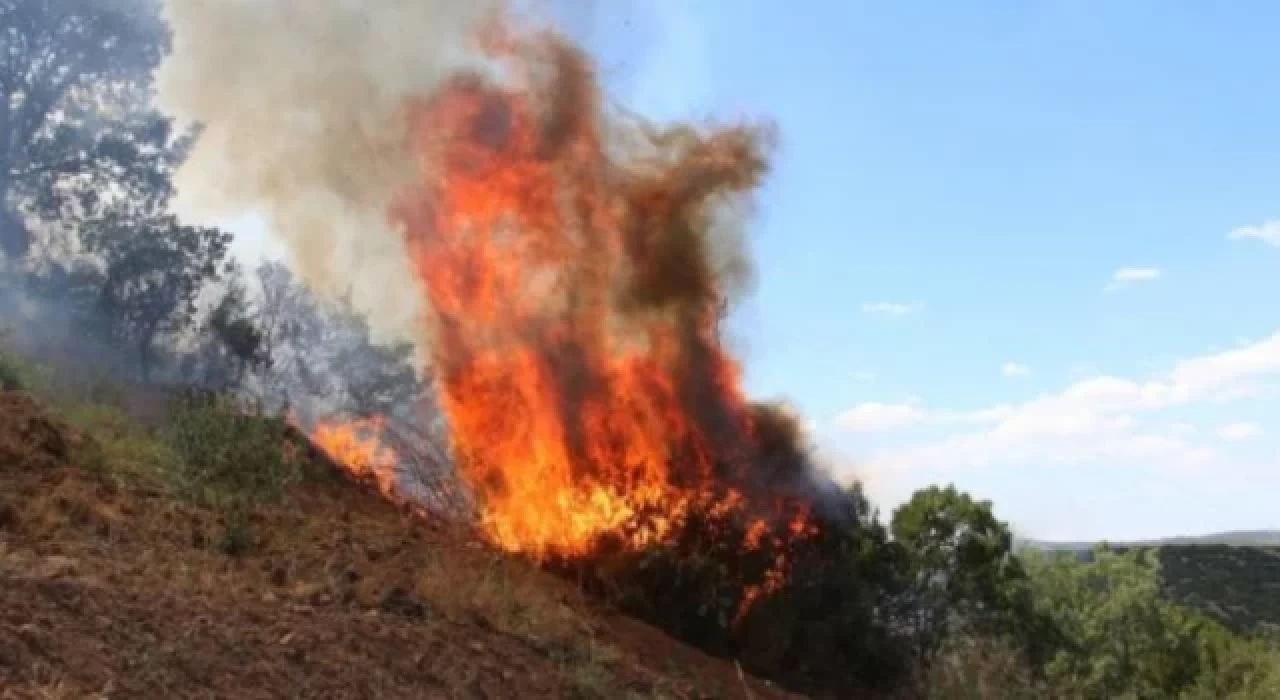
(997, 247)
(1025, 247)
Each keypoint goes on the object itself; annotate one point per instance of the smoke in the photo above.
(363, 131)
(300, 104)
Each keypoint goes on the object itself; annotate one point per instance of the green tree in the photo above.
(1235, 667)
(74, 83)
(139, 280)
(1120, 636)
(231, 343)
(962, 569)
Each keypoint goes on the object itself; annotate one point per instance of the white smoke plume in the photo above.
(300, 103)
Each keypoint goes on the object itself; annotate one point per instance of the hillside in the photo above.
(109, 585)
(1233, 576)
(1252, 538)
(1239, 585)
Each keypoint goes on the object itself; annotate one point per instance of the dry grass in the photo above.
(337, 595)
(977, 668)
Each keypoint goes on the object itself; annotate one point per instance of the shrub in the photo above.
(14, 373)
(10, 376)
(230, 455)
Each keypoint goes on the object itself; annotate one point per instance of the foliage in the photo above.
(143, 279)
(963, 570)
(10, 375)
(229, 455)
(13, 372)
(1120, 637)
(231, 344)
(127, 446)
(73, 75)
(1235, 585)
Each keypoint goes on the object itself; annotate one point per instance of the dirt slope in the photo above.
(115, 590)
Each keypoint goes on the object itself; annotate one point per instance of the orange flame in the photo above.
(574, 306)
(574, 310)
(355, 446)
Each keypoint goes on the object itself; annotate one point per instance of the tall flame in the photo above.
(575, 304)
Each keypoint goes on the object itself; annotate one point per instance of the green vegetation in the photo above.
(1233, 577)
(938, 602)
(1237, 585)
(228, 454)
(1257, 538)
(231, 457)
(1122, 637)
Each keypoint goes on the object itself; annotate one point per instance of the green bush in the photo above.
(1236, 667)
(230, 455)
(123, 446)
(14, 373)
(10, 376)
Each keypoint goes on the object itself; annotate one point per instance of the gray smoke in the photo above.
(300, 105)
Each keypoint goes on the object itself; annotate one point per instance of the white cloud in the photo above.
(1091, 420)
(890, 308)
(1014, 369)
(879, 417)
(1133, 275)
(1268, 232)
(1236, 432)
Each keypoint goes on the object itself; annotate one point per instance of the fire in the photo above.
(575, 306)
(355, 445)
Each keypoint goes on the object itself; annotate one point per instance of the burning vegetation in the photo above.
(574, 306)
(575, 288)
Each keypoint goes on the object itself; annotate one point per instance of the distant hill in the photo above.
(1233, 576)
(1239, 585)
(1236, 538)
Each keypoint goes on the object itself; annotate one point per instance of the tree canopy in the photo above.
(74, 121)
